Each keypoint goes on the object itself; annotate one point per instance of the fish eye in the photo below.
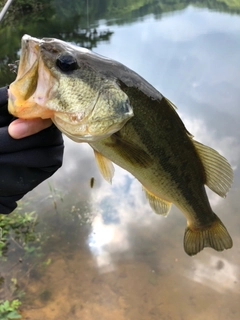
(67, 63)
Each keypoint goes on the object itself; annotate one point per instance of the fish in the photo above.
(92, 182)
(126, 121)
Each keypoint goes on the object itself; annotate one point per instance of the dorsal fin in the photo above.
(105, 166)
(219, 174)
(158, 205)
(171, 104)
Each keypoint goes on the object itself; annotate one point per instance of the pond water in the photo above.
(104, 253)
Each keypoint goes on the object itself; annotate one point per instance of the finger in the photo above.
(23, 128)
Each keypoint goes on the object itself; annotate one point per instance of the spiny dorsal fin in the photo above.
(215, 236)
(174, 109)
(218, 171)
(158, 205)
(105, 166)
(171, 104)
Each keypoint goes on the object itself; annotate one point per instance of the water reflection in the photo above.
(216, 273)
(117, 205)
(98, 241)
(109, 254)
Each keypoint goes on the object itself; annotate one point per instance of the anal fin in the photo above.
(158, 205)
(105, 166)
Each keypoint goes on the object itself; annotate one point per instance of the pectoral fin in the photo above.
(105, 166)
(130, 152)
(219, 174)
(158, 205)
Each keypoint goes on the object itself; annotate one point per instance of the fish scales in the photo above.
(169, 160)
(126, 121)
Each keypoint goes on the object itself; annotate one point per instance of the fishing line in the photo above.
(5, 9)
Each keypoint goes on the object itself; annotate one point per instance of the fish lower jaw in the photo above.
(83, 138)
(81, 132)
(87, 130)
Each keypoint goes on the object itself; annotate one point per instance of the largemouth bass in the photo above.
(125, 120)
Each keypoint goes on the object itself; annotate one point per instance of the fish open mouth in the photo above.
(82, 105)
(29, 92)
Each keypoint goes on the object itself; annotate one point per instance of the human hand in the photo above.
(20, 128)
(26, 162)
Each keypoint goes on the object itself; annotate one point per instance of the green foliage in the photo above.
(230, 3)
(19, 227)
(77, 21)
(9, 310)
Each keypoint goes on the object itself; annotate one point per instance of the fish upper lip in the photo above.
(29, 55)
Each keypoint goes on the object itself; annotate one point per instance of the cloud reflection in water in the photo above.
(119, 205)
(216, 273)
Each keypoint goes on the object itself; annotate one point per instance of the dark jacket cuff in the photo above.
(3, 96)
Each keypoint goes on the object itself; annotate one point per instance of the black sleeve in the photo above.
(5, 117)
(25, 163)
(3, 96)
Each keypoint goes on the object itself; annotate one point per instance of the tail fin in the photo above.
(215, 236)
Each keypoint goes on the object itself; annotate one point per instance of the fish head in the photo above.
(56, 80)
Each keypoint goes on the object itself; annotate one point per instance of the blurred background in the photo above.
(81, 250)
